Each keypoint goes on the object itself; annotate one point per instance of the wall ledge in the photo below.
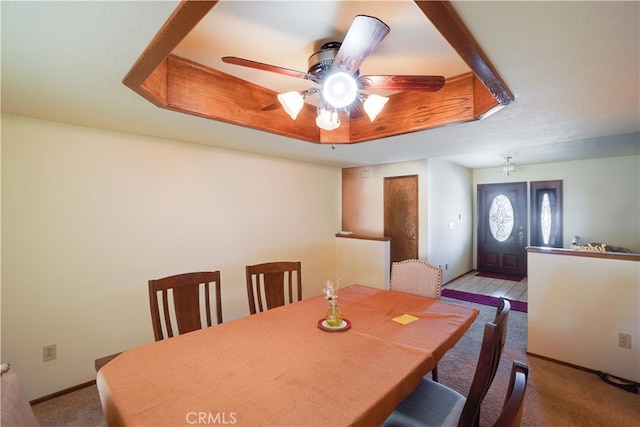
(586, 254)
(358, 236)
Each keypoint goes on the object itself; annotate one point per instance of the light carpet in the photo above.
(556, 396)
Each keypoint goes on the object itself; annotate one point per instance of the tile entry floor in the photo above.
(515, 291)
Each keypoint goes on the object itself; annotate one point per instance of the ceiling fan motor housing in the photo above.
(320, 62)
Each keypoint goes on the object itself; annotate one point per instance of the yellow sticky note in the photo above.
(405, 319)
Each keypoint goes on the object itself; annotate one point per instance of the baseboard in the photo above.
(571, 365)
(62, 392)
(457, 277)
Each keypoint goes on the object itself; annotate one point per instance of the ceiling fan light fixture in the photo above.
(373, 104)
(340, 89)
(292, 103)
(328, 119)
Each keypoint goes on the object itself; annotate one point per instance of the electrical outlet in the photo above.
(624, 340)
(49, 353)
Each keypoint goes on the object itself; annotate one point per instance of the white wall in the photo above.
(363, 261)
(577, 307)
(450, 218)
(601, 197)
(89, 216)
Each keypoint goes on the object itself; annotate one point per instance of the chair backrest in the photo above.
(185, 293)
(511, 415)
(16, 410)
(268, 281)
(493, 340)
(417, 277)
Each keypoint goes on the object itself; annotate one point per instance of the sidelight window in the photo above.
(545, 218)
(546, 213)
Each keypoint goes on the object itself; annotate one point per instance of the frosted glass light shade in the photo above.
(340, 89)
(328, 119)
(373, 105)
(292, 103)
(508, 168)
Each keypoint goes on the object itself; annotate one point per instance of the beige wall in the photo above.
(601, 203)
(577, 307)
(450, 219)
(362, 261)
(363, 197)
(444, 209)
(90, 215)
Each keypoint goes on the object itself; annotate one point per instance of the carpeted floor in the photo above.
(80, 408)
(557, 395)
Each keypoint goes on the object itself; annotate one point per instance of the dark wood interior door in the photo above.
(502, 228)
(401, 216)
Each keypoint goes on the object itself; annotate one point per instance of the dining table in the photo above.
(284, 367)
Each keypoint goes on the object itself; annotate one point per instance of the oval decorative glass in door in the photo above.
(545, 218)
(501, 218)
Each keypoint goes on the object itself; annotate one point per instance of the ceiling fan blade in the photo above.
(267, 67)
(270, 107)
(402, 83)
(364, 35)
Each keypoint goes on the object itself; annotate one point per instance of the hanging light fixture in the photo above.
(339, 93)
(327, 119)
(373, 104)
(336, 68)
(340, 85)
(508, 168)
(293, 101)
(339, 89)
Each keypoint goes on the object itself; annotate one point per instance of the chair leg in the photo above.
(434, 373)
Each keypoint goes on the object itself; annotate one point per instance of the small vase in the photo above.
(334, 316)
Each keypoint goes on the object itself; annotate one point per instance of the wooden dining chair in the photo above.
(414, 276)
(434, 404)
(275, 283)
(182, 299)
(511, 415)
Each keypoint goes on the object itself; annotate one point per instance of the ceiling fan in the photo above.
(336, 68)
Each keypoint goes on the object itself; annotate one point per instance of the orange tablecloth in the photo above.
(277, 368)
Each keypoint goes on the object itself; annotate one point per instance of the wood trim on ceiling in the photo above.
(448, 23)
(181, 22)
(184, 86)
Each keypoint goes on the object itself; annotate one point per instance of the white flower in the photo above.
(331, 291)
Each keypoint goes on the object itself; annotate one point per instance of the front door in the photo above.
(502, 228)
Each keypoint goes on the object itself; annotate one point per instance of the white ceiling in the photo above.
(573, 68)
